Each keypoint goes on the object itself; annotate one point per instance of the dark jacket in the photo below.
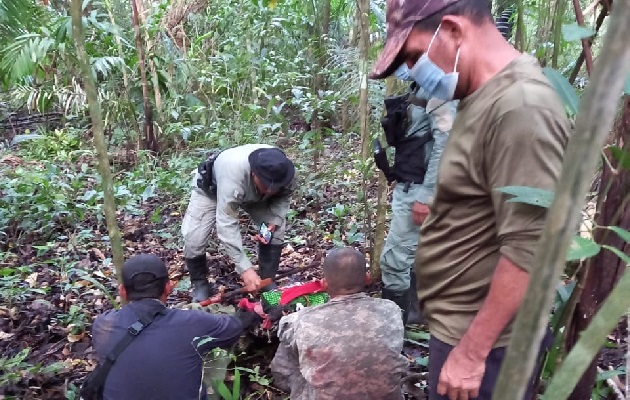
(163, 361)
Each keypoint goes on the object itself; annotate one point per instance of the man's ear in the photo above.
(122, 291)
(168, 288)
(454, 26)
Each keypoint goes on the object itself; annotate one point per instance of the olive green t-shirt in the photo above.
(511, 131)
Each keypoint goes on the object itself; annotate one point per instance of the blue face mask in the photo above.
(432, 78)
(402, 73)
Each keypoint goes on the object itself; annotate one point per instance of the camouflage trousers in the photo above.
(400, 247)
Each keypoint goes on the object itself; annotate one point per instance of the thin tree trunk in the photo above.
(109, 202)
(149, 141)
(557, 32)
(605, 269)
(596, 115)
(521, 33)
(586, 44)
(598, 24)
(364, 112)
(381, 208)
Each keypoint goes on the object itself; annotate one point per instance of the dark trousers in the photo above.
(438, 351)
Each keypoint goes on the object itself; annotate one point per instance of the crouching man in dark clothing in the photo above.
(164, 361)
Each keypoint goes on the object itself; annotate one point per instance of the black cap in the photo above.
(143, 264)
(272, 167)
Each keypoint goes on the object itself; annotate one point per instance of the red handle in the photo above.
(217, 298)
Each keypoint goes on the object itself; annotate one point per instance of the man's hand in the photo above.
(461, 375)
(251, 280)
(259, 238)
(419, 212)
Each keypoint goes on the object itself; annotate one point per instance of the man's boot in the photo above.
(415, 315)
(401, 299)
(268, 263)
(198, 270)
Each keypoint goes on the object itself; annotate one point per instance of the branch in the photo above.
(598, 24)
(109, 202)
(586, 46)
(594, 120)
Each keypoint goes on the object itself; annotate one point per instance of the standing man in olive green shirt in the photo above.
(510, 129)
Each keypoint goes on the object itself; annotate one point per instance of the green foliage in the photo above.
(566, 92)
(573, 32)
(582, 248)
(17, 368)
(528, 195)
(622, 157)
(225, 393)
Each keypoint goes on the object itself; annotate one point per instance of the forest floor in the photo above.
(52, 289)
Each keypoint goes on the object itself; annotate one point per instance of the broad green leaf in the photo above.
(582, 248)
(236, 389)
(564, 291)
(624, 257)
(528, 195)
(622, 156)
(590, 341)
(624, 234)
(566, 92)
(422, 361)
(573, 32)
(223, 390)
(602, 376)
(417, 335)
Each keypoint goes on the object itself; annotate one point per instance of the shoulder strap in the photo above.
(132, 332)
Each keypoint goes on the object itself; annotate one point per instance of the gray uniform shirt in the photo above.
(235, 189)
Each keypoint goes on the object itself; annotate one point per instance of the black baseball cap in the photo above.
(148, 264)
(272, 167)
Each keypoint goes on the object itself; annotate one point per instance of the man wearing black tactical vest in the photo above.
(417, 127)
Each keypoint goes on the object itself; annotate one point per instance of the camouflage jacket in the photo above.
(348, 348)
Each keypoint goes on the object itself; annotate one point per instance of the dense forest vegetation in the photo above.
(175, 79)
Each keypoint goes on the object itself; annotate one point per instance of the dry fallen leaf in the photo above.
(75, 338)
(5, 336)
(98, 254)
(32, 279)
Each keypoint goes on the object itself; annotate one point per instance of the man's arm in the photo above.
(228, 229)
(524, 148)
(465, 365)
(441, 116)
(285, 366)
(219, 331)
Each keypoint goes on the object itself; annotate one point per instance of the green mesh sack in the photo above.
(272, 298)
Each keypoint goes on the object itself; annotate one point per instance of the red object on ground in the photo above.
(294, 292)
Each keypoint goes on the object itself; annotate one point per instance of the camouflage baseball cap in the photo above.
(401, 17)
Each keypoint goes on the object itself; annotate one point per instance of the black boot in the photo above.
(401, 299)
(415, 315)
(198, 270)
(268, 263)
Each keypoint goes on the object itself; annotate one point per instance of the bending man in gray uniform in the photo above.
(418, 128)
(256, 178)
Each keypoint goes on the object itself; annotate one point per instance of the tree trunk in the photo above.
(363, 7)
(605, 269)
(596, 115)
(557, 32)
(598, 24)
(149, 141)
(381, 207)
(109, 202)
